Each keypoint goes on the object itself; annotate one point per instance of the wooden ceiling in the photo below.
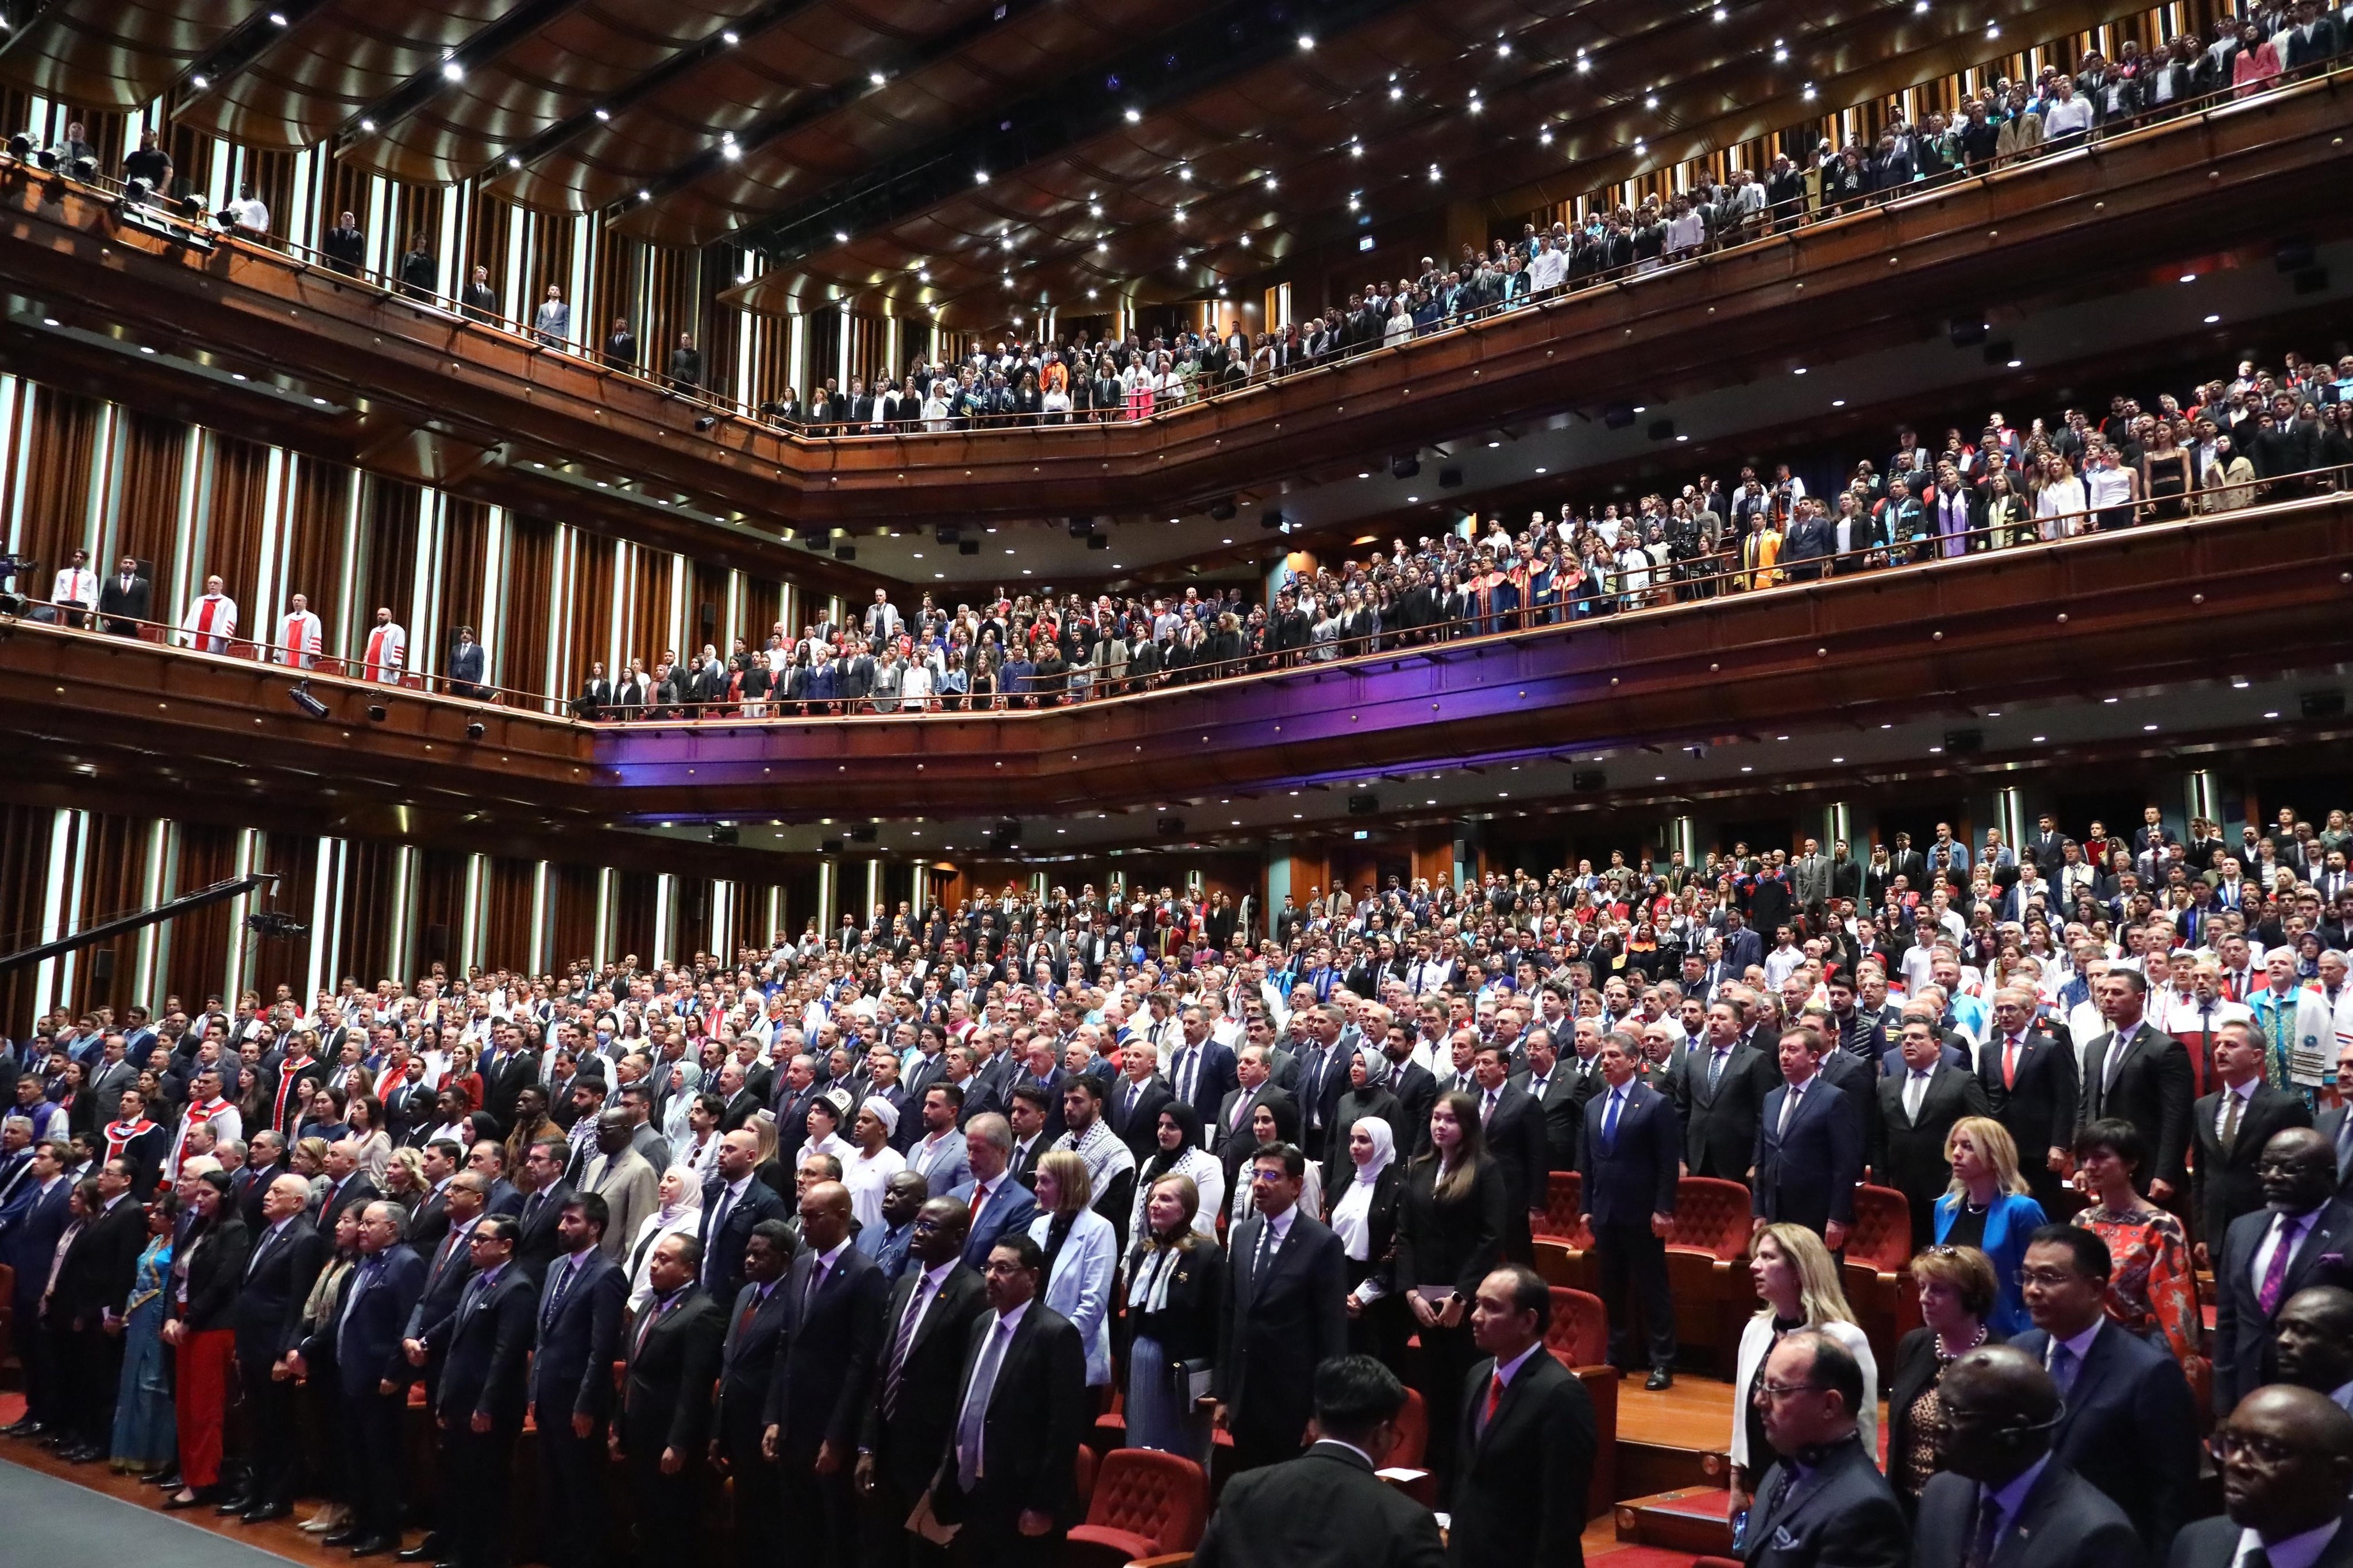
(974, 158)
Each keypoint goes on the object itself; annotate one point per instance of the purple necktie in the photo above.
(2267, 1297)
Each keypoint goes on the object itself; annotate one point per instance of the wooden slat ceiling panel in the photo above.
(1031, 52)
(814, 49)
(346, 55)
(116, 54)
(561, 71)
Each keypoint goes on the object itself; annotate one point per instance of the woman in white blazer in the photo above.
(1081, 1256)
(1799, 1282)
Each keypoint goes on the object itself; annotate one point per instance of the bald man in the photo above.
(2314, 1341)
(2001, 1492)
(836, 1296)
(285, 1262)
(2286, 1458)
(2300, 1238)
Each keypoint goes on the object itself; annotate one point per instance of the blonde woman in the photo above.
(1175, 1280)
(1987, 1207)
(1797, 1282)
(1081, 1255)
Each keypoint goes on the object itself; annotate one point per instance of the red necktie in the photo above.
(2010, 1064)
(1494, 1397)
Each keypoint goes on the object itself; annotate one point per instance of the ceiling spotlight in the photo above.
(452, 71)
(1475, 105)
(839, 237)
(278, 18)
(368, 126)
(1396, 93)
(645, 195)
(2211, 320)
(1544, 137)
(1809, 90)
(1780, 54)
(1721, 12)
(980, 177)
(1356, 148)
(605, 114)
(1306, 40)
(877, 78)
(1582, 63)
(1134, 115)
(514, 162)
(1650, 101)
(1269, 182)
(1433, 170)
(299, 695)
(476, 730)
(377, 712)
(728, 39)
(199, 83)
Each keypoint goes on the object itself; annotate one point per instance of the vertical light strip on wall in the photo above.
(681, 638)
(470, 922)
(829, 872)
(400, 939)
(665, 917)
(151, 871)
(517, 295)
(342, 634)
(561, 558)
(584, 253)
(772, 927)
(338, 914)
(105, 473)
(261, 618)
(302, 217)
(423, 602)
(620, 630)
(873, 891)
(491, 616)
(449, 279)
(380, 242)
(237, 973)
(538, 961)
(195, 521)
(720, 938)
(15, 457)
(607, 889)
(731, 622)
(319, 975)
(53, 898)
(796, 354)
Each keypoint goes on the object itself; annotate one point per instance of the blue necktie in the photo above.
(1610, 1119)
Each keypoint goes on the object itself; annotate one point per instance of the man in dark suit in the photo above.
(581, 1300)
(1033, 1121)
(1916, 1114)
(1327, 1509)
(126, 597)
(93, 1279)
(1628, 1173)
(824, 1375)
(2230, 1128)
(1807, 1159)
(1558, 1093)
(1718, 1088)
(1236, 1140)
(545, 1192)
(1008, 1479)
(1321, 1067)
(2028, 1079)
(364, 1341)
(2336, 1124)
(41, 1208)
(481, 1344)
(1515, 1128)
(506, 1071)
(2127, 1421)
(1132, 1104)
(747, 1363)
(908, 1424)
(2003, 1496)
(735, 1200)
(2138, 1075)
(1526, 1440)
(2286, 1464)
(1824, 1500)
(996, 1201)
(665, 1423)
(2302, 1236)
(1416, 1090)
(443, 1159)
(286, 1256)
(449, 1268)
(1201, 1071)
(1283, 1311)
(347, 1185)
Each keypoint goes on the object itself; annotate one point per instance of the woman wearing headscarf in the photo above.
(1364, 1216)
(1179, 1152)
(1174, 1281)
(1368, 1095)
(1275, 1122)
(680, 1214)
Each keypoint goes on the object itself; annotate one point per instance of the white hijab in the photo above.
(1351, 1214)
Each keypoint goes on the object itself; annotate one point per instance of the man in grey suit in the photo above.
(2002, 1496)
(1809, 877)
(2286, 1463)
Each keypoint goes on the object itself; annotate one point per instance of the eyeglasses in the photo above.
(2226, 1444)
(2049, 1279)
(1785, 1390)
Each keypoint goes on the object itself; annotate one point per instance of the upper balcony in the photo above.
(285, 347)
(2107, 640)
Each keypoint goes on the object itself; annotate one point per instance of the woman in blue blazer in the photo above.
(1081, 1256)
(1987, 1207)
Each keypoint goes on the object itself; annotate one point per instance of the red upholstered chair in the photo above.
(1712, 1294)
(1877, 1249)
(1413, 1433)
(1082, 1475)
(1564, 1244)
(1578, 1338)
(1146, 1503)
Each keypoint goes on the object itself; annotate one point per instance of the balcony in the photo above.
(338, 367)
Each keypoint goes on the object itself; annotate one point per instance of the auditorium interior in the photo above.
(667, 500)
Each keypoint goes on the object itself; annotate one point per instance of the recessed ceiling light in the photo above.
(2211, 320)
(452, 71)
